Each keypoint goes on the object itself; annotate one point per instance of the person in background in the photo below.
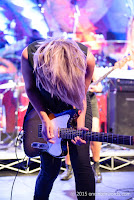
(95, 146)
(57, 75)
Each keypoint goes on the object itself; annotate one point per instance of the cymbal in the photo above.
(20, 84)
(11, 84)
(6, 66)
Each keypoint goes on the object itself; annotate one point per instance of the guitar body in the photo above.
(63, 124)
(34, 144)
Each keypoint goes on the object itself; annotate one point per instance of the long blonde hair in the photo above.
(60, 67)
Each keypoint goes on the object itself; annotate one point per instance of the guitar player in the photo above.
(57, 76)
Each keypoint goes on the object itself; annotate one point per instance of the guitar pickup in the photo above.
(37, 145)
(40, 131)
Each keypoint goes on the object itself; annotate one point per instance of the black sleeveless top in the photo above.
(54, 104)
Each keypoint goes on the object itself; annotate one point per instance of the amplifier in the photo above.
(120, 107)
(117, 84)
(120, 112)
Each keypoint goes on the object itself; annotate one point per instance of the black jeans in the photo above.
(84, 176)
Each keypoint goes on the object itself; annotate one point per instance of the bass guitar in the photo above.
(63, 124)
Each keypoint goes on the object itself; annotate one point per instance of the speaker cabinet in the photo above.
(120, 112)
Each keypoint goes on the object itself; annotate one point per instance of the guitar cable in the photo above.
(18, 139)
(122, 190)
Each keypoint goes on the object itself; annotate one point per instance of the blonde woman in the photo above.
(57, 76)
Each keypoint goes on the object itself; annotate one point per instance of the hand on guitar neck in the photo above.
(77, 140)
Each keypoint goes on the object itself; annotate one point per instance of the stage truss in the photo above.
(15, 159)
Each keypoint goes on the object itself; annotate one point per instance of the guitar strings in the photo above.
(69, 133)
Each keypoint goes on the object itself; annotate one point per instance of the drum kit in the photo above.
(13, 102)
(13, 99)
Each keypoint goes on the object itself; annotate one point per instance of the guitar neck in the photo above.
(118, 64)
(97, 136)
(102, 77)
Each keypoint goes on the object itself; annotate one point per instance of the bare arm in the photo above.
(35, 96)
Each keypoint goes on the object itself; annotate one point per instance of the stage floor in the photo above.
(117, 183)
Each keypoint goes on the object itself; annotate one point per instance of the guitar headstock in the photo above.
(119, 64)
